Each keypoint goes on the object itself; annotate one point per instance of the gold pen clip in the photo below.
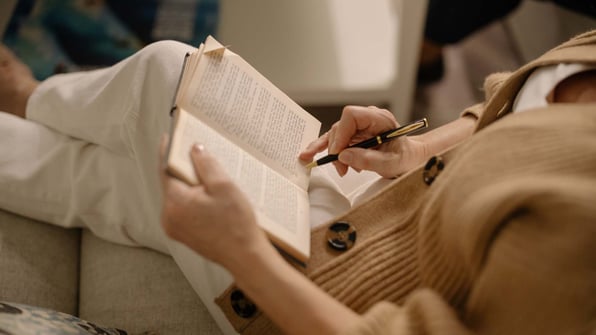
(423, 123)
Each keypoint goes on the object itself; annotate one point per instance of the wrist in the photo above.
(423, 150)
(445, 136)
(245, 262)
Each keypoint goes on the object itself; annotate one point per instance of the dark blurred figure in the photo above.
(450, 21)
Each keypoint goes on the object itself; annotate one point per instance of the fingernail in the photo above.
(346, 157)
(343, 173)
(198, 148)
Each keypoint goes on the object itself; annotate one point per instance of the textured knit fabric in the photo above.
(502, 242)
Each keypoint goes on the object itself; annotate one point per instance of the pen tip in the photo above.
(311, 165)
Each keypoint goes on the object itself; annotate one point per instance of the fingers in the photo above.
(207, 169)
(373, 160)
(356, 124)
(341, 168)
(314, 148)
(359, 121)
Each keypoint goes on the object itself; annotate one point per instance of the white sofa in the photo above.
(72, 271)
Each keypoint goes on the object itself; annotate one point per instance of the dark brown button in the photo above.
(341, 236)
(433, 167)
(242, 305)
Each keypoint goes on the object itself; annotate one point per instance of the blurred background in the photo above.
(323, 53)
(69, 35)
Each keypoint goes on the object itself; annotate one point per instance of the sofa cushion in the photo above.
(39, 263)
(139, 290)
(19, 319)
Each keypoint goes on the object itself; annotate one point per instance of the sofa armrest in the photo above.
(39, 263)
(139, 290)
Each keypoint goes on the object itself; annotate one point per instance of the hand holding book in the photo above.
(205, 217)
(256, 133)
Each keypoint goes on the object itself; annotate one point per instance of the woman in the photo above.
(469, 242)
(496, 235)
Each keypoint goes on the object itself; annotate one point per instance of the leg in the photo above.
(96, 165)
(107, 106)
(123, 110)
(71, 183)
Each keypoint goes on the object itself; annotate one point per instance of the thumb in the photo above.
(208, 171)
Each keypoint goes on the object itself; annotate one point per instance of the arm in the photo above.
(389, 159)
(206, 218)
(289, 299)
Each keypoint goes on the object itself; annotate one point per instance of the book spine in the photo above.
(173, 108)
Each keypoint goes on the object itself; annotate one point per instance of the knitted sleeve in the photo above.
(424, 312)
(492, 83)
(475, 111)
(534, 271)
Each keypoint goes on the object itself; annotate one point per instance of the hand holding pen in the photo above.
(372, 142)
(357, 123)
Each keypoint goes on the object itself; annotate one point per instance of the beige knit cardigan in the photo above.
(502, 242)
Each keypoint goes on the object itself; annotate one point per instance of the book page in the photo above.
(282, 207)
(230, 96)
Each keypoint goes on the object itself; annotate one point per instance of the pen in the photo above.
(374, 141)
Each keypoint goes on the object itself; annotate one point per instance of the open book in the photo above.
(255, 131)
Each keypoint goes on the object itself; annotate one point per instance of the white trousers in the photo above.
(87, 156)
